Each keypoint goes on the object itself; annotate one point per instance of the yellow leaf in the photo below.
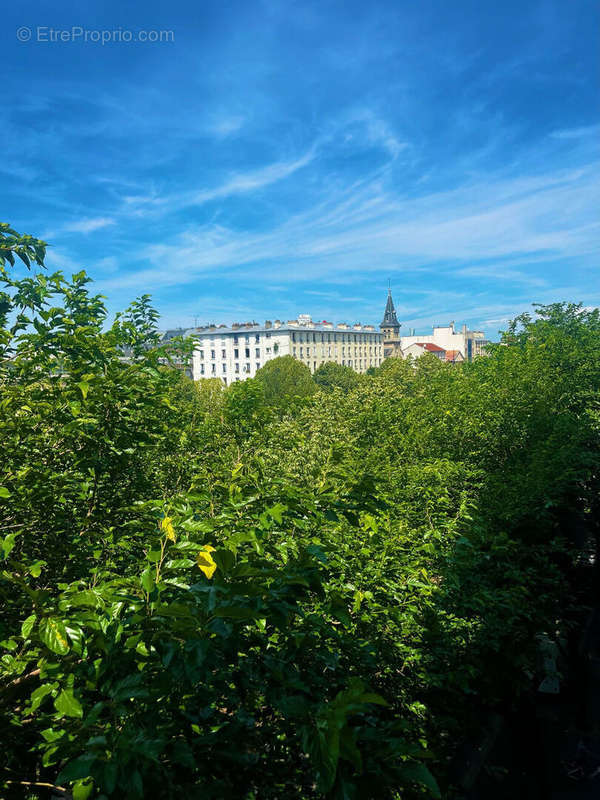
(205, 561)
(166, 525)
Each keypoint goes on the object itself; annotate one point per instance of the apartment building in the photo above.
(469, 344)
(238, 352)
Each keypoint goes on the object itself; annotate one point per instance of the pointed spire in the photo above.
(390, 320)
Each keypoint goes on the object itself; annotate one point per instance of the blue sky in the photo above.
(282, 157)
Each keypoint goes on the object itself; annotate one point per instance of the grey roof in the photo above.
(390, 319)
(284, 328)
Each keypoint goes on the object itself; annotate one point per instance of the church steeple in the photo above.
(390, 325)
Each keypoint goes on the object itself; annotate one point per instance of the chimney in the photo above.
(268, 323)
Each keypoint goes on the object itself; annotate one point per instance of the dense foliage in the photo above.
(285, 588)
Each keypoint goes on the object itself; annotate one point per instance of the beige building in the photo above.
(236, 353)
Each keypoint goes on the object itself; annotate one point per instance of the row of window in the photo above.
(371, 338)
(236, 353)
(236, 339)
(358, 351)
(213, 370)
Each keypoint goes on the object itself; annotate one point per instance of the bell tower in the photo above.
(390, 325)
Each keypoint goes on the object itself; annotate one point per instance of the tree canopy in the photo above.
(267, 590)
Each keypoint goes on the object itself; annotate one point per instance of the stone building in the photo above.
(236, 353)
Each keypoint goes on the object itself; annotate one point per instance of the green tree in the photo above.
(260, 591)
(332, 375)
(286, 383)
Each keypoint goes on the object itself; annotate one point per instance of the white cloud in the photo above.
(88, 225)
(368, 226)
(236, 184)
(576, 133)
(226, 125)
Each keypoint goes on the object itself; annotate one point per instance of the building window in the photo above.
(212, 353)
(201, 369)
(237, 367)
(246, 339)
(201, 353)
(294, 351)
(236, 353)
(258, 365)
(223, 355)
(247, 368)
(214, 369)
(235, 339)
(224, 367)
(257, 338)
(257, 352)
(247, 352)
(307, 352)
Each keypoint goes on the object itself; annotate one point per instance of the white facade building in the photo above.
(236, 353)
(468, 343)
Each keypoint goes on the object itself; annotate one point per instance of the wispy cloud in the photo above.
(358, 229)
(238, 183)
(88, 225)
(280, 162)
(577, 133)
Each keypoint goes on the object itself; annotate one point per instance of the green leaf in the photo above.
(53, 634)
(38, 694)
(4, 492)
(8, 543)
(147, 579)
(83, 789)
(276, 511)
(84, 388)
(236, 612)
(27, 626)
(77, 769)
(35, 570)
(68, 705)
(418, 773)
